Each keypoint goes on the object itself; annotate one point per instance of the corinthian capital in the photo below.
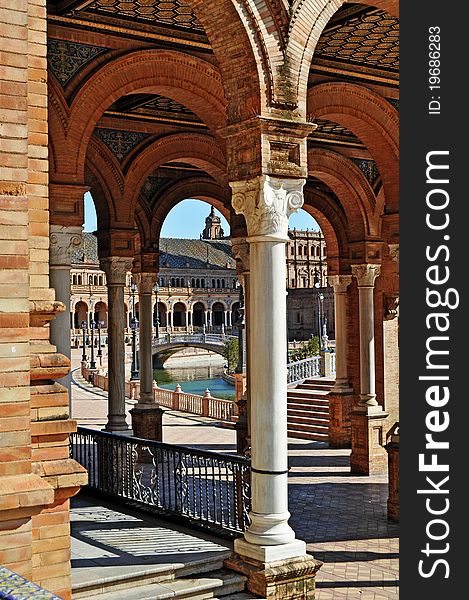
(63, 241)
(240, 251)
(116, 269)
(145, 282)
(366, 274)
(340, 283)
(267, 203)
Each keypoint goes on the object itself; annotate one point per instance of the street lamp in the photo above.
(157, 320)
(134, 325)
(99, 325)
(134, 368)
(92, 362)
(83, 327)
(320, 297)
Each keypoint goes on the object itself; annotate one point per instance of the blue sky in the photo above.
(187, 219)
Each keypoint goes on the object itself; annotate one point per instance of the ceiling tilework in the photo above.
(121, 143)
(65, 59)
(368, 168)
(334, 131)
(370, 39)
(174, 13)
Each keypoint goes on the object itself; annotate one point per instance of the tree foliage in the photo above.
(230, 353)
(306, 350)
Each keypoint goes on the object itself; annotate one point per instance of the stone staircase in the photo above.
(308, 409)
(197, 581)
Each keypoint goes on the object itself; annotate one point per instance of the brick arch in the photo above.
(57, 119)
(189, 80)
(106, 169)
(307, 22)
(372, 119)
(333, 223)
(200, 150)
(197, 188)
(143, 225)
(349, 184)
(242, 53)
(102, 196)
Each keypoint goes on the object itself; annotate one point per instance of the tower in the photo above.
(213, 229)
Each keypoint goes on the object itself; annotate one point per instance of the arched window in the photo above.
(78, 279)
(203, 283)
(300, 250)
(90, 279)
(193, 282)
(223, 283)
(213, 283)
(172, 282)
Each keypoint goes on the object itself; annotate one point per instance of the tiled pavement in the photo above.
(342, 517)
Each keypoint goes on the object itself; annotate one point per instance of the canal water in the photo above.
(195, 380)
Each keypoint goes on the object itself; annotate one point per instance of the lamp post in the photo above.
(83, 328)
(134, 325)
(157, 320)
(320, 304)
(99, 325)
(92, 361)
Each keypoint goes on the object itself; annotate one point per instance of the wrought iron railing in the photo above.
(304, 369)
(205, 489)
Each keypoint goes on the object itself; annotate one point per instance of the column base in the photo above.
(286, 579)
(368, 455)
(340, 408)
(147, 423)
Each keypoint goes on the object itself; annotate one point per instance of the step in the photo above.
(313, 386)
(323, 393)
(87, 583)
(294, 420)
(303, 435)
(307, 410)
(306, 399)
(308, 428)
(221, 583)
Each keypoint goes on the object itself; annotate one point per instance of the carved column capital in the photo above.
(116, 269)
(267, 203)
(340, 283)
(63, 241)
(240, 251)
(366, 274)
(391, 306)
(145, 282)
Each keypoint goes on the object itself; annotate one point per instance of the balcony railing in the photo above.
(304, 369)
(205, 489)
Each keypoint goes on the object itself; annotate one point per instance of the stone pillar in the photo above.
(341, 395)
(392, 448)
(368, 454)
(225, 318)
(146, 415)
(63, 240)
(266, 203)
(116, 268)
(206, 318)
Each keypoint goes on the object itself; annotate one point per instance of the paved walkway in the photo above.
(342, 517)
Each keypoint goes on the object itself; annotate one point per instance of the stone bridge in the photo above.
(166, 345)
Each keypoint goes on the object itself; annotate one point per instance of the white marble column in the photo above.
(225, 318)
(116, 269)
(63, 241)
(366, 275)
(266, 203)
(145, 283)
(340, 284)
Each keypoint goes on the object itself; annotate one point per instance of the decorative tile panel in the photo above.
(121, 143)
(65, 59)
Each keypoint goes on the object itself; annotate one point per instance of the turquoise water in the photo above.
(195, 380)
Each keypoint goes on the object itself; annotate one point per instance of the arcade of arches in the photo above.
(257, 107)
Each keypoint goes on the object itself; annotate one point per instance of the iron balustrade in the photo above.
(304, 369)
(205, 489)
